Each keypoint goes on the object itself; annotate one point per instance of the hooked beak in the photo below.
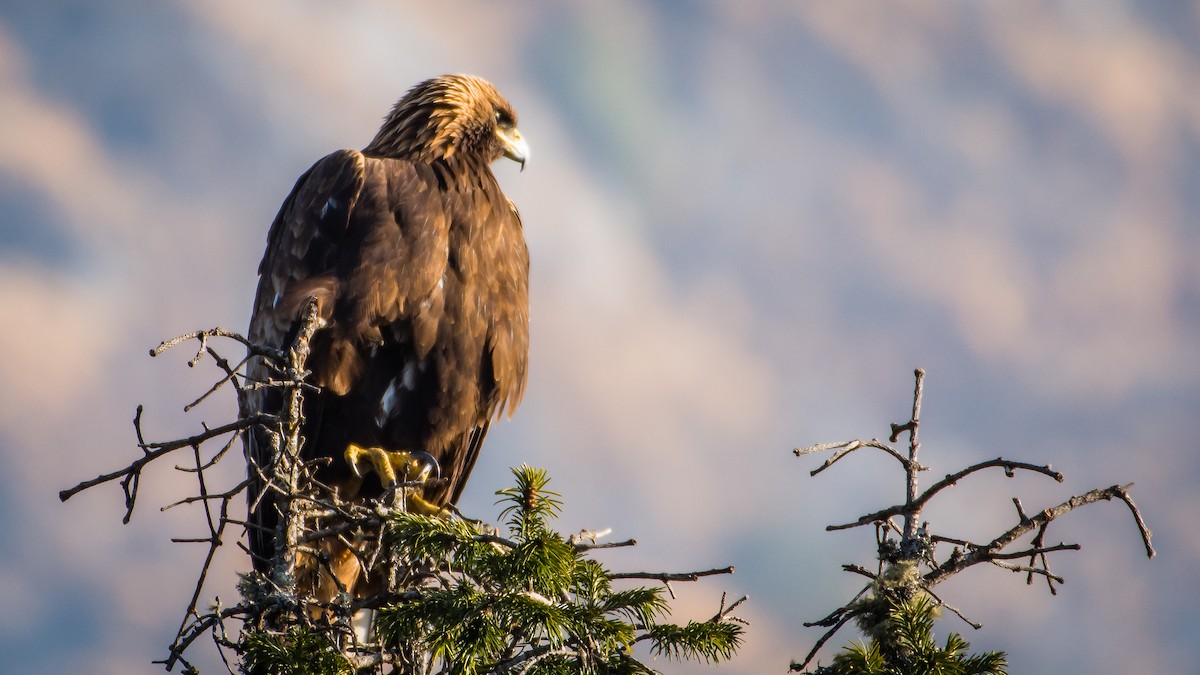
(515, 147)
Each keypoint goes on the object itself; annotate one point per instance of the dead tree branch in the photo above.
(665, 577)
(152, 451)
(215, 505)
(916, 545)
(847, 447)
(993, 550)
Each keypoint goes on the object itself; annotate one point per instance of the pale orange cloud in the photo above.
(652, 388)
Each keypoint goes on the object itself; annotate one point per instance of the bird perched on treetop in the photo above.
(417, 263)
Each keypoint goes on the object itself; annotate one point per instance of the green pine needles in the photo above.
(903, 644)
(303, 651)
(530, 602)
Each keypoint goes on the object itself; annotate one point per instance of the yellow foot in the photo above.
(394, 468)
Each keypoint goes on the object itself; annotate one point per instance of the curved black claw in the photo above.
(422, 464)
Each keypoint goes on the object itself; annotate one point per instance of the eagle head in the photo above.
(449, 118)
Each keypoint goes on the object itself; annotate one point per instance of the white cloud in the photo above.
(668, 391)
(47, 148)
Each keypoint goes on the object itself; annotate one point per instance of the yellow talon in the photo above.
(394, 468)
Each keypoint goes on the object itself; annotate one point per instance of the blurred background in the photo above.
(749, 223)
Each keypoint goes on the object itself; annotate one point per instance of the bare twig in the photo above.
(861, 571)
(666, 577)
(956, 612)
(613, 544)
(836, 615)
(1009, 467)
(1122, 492)
(725, 613)
(992, 551)
(842, 621)
(152, 451)
(848, 447)
(912, 514)
(230, 376)
(914, 506)
(203, 335)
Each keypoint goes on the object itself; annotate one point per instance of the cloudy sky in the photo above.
(749, 222)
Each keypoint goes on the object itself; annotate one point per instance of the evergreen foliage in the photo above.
(534, 602)
(529, 602)
(300, 652)
(904, 645)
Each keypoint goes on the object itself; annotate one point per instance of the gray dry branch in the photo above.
(218, 506)
(915, 544)
(271, 606)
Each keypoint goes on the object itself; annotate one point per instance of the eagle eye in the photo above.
(502, 119)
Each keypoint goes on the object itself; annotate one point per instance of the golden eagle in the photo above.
(418, 266)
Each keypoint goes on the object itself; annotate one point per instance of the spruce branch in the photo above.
(568, 615)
